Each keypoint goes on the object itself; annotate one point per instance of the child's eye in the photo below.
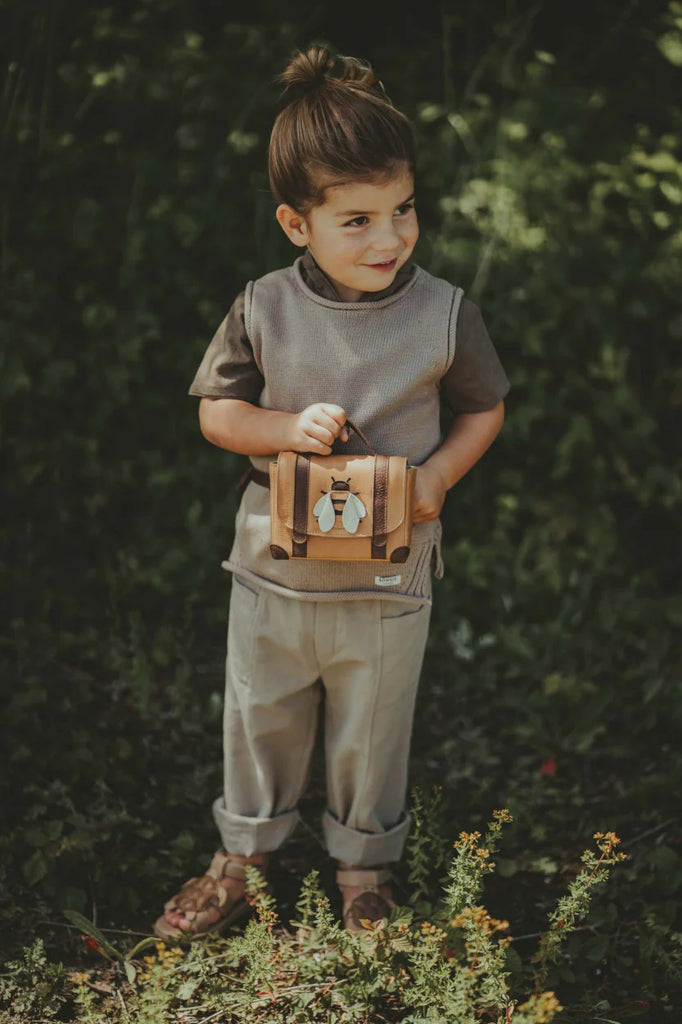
(405, 208)
(357, 222)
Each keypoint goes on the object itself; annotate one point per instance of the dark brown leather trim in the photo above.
(278, 552)
(380, 507)
(360, 435)
(299, 547)
(259, 477)
(400, 554)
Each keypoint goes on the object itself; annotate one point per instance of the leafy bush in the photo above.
(134, 208)
(451, 968)
(32, 988)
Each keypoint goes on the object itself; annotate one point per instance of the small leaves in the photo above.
(426, 844)
(574, 906)
(453, 967)
(471, 863)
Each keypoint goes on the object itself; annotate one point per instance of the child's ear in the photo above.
(292, 224)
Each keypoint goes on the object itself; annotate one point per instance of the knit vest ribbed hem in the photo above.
(382, 362)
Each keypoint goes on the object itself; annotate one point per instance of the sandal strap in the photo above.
(233, 869)
(366, 878)
(205, 893)
(224, 865)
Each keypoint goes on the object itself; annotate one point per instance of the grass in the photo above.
(114, 813)
(453, 966)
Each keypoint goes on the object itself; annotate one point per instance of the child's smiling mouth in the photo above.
(387, 265)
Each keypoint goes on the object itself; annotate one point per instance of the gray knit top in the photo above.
(383, 362)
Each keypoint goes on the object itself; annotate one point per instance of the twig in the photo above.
(327, 988)
(214, 1016)
(123, 1003)
(312, 832)
(649, 832)
(538, 935)
(530, 935)
(110, 931)
(607, 39)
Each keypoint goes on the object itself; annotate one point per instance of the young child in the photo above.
(354, 328)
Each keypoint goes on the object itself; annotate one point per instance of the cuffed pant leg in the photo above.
(247, 835)
(371, 674)
(270, 718)
(364, 849)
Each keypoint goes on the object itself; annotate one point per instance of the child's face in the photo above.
(361, 235)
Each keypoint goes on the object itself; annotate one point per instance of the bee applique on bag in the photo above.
(351, 508)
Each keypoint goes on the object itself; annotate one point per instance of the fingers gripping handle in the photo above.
(349, 423)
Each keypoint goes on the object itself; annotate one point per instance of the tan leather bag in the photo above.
(350, 508)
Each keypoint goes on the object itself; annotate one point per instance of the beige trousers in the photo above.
(365, 656)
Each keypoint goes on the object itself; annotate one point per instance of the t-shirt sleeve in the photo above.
(475, 380)
(229, 369)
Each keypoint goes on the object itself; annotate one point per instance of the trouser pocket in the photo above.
(244, 604)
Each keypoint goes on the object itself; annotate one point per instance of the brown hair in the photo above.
(341, 127)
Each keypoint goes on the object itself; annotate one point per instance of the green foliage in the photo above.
(450, 969)
(32, 988)
(426, 846)
(134, 208)
(574, 906)
(470, 864)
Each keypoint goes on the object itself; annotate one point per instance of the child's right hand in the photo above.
(317, 427)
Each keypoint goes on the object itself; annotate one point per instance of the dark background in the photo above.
(135, 206)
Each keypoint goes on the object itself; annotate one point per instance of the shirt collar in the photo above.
(317, 280)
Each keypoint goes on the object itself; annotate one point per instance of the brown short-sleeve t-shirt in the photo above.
(474, 382)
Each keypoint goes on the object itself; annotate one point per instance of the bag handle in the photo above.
(349, 423)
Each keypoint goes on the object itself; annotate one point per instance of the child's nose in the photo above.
(385, 238)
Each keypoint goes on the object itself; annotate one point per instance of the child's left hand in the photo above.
(429, 494)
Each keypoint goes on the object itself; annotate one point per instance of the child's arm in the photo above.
(469, 436)
(249, 430)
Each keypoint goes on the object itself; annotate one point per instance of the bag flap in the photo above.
(355, 474)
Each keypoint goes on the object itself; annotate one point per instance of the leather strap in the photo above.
(224, 866)
(349, 423)
(299, 546)
(257, 476)
(364, 877)
(380, 507)
(234, 870)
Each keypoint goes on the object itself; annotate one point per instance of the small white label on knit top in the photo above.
(387, 581)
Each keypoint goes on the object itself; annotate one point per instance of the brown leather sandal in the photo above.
(374, 903)
(200, 898)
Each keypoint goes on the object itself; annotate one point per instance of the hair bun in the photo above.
(308, 70)
(313, 68)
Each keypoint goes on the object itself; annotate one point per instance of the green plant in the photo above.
(450, 969)
(574, 906)
(32, 988)
(102, 945)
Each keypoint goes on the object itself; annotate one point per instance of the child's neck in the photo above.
(319, 282)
